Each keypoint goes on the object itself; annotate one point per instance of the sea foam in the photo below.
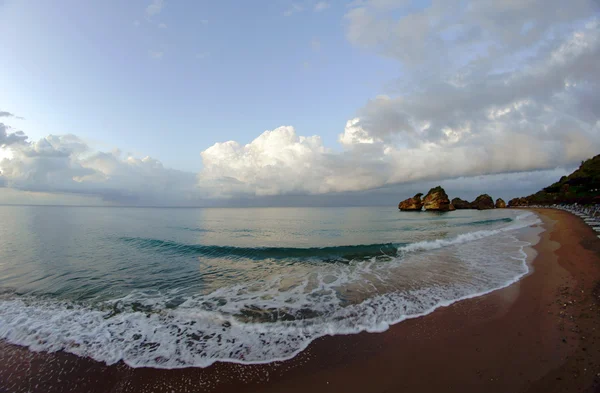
(275, 318)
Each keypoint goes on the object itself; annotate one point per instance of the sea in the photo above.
(187, 287)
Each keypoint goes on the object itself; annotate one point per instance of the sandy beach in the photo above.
(541, 334)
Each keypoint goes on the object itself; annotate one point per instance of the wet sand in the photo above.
(541, 334)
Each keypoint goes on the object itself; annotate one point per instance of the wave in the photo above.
(345, 253)
(491, 221)
(273, 318)
(335, 253)
(469, 236)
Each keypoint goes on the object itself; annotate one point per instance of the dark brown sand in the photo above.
(541, 334)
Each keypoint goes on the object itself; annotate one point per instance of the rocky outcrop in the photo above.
(483, 202)
(500, 204)
(461, 204)
(436, 200)
(412, 204)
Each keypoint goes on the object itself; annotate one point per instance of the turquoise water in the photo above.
(186, 287)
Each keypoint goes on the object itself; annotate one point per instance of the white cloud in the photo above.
(354, 134)
(202, 55)
(66, 164)
(162, 26)
(155, 8)
(321, 6)
(470, 124)
(276, 162)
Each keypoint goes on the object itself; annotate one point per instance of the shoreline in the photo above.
(537, 334)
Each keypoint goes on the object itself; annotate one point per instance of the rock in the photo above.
(436, 200)
(461, 204)
(483, 202)
(451, 207)
(500, 204)
(412, 204)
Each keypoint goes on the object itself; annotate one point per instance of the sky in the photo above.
(198, 103)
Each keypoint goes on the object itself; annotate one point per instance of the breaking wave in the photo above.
(278, 316)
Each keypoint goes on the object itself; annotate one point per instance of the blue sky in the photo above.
(170, 102)
(227, 70)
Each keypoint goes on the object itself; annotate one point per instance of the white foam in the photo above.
(523, 220)
(342, 299)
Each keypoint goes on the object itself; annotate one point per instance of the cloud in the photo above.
(8, 114)
(478, 120)
(551, 90)
(354, 134)
(321, 6)
(295, 8)
(155, 8)
(449, 32)
(202, 55)
(7, 139)
(488, 92)
(162, 26)
(66, 164)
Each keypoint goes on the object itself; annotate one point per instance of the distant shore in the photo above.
(541, 334)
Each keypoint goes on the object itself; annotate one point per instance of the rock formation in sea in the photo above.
(437, 200)
(483, 202)
(500, 204)
(461, 204)
(581, 186)
(412, 204)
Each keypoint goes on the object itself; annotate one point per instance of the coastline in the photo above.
(538, 334)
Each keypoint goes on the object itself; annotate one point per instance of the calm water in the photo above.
(187, 287)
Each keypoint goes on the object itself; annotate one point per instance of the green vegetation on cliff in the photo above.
(581, 186)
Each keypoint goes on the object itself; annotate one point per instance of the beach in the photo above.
(541, 334)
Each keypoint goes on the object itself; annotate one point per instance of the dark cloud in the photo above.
(8, 114)
(11, 138)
